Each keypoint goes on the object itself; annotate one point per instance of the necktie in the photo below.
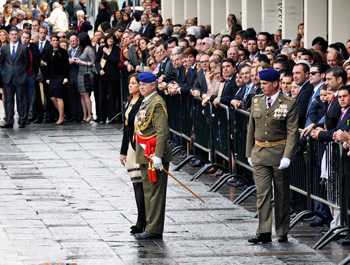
(343, 114)
(269, 101)
(79, 26)
(41, 47)
(247, 89)
(143, 29)
(74, 52)
(13, 52)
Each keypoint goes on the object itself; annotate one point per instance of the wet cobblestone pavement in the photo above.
(65, 198)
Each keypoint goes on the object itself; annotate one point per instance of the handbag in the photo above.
(103, 62)
(87, 82)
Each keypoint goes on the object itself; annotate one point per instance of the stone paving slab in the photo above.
(65, 198)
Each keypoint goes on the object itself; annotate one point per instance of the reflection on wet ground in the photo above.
(65, 199)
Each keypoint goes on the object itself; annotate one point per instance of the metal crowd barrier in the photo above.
(241, 122)
(222, 139)
(124, 91)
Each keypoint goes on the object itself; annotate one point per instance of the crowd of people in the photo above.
(52, 65)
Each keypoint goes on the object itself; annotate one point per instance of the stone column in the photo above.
(269, 15)
(234, 7)
(190, 9)
(292, 16)
(204, 15)
(315, 24)
(218, 21)
(338, 21)
(167, 9)
(178, 8)
(251, 14)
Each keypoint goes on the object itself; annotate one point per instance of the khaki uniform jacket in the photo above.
(279, 122)
(158, 126)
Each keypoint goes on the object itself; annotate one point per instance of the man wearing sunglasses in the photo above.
(316, 76)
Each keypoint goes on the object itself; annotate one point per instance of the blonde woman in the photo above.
(44, 8)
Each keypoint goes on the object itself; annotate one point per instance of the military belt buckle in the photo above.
(267, 144)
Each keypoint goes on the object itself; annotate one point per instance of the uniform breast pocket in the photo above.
(257, 118)
(278, 123)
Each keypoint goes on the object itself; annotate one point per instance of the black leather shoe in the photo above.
(260, 238)
(282, 239)
(22, 125)
(136, 230)
(38, 121)
(7, 125)
(147, 235)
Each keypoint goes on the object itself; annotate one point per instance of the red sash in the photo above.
(148, 154)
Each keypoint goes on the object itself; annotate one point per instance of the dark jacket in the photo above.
(229, 91)
(104, 15)
(85, 26)
(128, 131)
(326, 136)
(73, 71)
(34, 49)
(317, 110)
(58, 63)
(186, 81)
(16, 67)
(201, 83)
(303, 101)
(112, 71)
(45, 57)
(149, 31)
(334, 110)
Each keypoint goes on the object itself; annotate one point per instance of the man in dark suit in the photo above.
(187, 76)
(200, 86)
(241, 98)
(230, 88)
(15, 60)
(335, 79)
(147, 29)
(82, 24)
(344, 102)
(45, 48)
(33, 69)
(301, 78)
(75, 107)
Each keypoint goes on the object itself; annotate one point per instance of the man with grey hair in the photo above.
(206, 44)
(195, 31)
(83, 25)
(58, 19)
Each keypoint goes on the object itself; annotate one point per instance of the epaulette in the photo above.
(288, 98)
(260, 95)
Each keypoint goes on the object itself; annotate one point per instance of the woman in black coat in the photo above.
(127, 152)
(58, 75)
(107, 65)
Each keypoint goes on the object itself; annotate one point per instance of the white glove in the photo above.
(250, 161)
(285, 162)
(158, 163)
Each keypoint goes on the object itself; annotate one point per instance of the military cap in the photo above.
(269, 75)
(73, 25)
(147, 77)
